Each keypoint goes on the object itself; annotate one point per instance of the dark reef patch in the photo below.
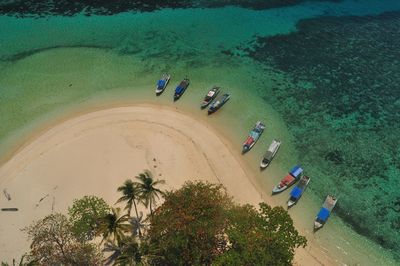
(42, 8)
(346, 120)
(25, 54)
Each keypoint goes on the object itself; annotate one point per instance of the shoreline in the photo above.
(303, 256)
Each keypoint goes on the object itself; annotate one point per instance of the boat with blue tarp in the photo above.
(325, 212)
(298, 190)
(254, 135)
(181, 88)
(294, 175)
(162, 83)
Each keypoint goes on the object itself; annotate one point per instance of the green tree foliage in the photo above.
(148, 190)
(264, 237)
(114, 226)
(188, 228)
(200, 225)
(54, 243)
(125, 252)
(85, 215)
(130, 194)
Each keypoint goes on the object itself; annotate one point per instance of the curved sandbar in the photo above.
(93, 154)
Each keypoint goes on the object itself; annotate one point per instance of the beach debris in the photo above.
(43, 198)
(52, 204)
(154, 159)
(6, 194)
(37, 204)
(9, 209)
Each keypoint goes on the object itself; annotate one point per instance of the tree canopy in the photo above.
(53, 243)
(85, 215)
(194, 233)
(200, 225)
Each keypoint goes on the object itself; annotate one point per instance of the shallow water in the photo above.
(56, 65)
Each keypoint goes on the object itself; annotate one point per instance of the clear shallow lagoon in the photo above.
(55, 65)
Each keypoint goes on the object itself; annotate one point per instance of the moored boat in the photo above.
(218, 103)
(293, 176)
(270, 154)
(298, 190)
(210, 97)
(325, 212)
(162, 83)
(254, 135)
(181, 88)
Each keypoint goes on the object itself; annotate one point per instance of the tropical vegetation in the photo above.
(198, 224)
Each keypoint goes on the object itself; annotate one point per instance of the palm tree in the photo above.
(148, 190)
(137, 224)
(130, 193)
(125, 252)
(114, 225)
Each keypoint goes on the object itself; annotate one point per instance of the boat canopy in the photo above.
(253, 134)
(179, 89)
(161, 83)
(323, 214)
(286, 180)
(268, 155)
(273, 146)
(296, 192)
(210, 93)
(296, 171)
(215, 104)
(249, 141)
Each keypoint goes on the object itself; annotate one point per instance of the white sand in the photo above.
(93, 154)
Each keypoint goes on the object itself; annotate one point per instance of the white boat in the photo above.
(325, 212)
(298, 190)
(270, 154)
(162, 83)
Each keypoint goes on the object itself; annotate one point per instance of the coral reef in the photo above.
(343, 111)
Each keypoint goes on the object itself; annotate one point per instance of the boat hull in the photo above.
(160, 90)
(212, 109)
(291, 203)
(264, 165)
(277, 189)
(317, 225)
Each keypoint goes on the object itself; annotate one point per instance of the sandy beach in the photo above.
(93, 153)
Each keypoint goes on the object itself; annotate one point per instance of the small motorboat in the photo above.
(324, 212)
(254, 135)
(210, 97)
(218, 103)
(298, 190)
(270, 154)
(162, 83)
(181, 88)
(293, 176)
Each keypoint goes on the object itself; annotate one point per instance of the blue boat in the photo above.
(181, 88)
(162, 83)
(324, 212)
(298, 190)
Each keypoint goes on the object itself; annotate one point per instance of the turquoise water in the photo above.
(55, 64)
